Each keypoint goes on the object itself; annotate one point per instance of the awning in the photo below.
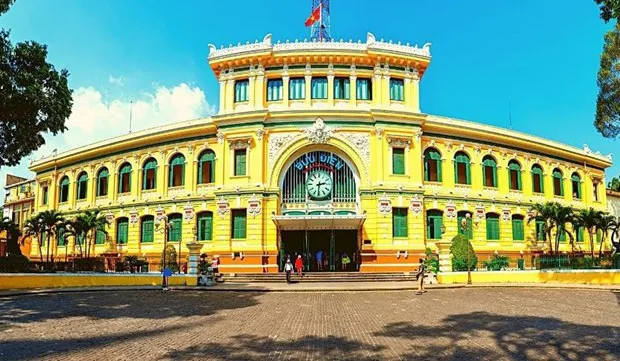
(323, 222)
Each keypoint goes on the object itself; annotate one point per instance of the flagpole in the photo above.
(321, 21)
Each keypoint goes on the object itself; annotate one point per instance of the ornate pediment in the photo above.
(319, 132)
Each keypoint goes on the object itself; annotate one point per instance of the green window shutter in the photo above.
(122, 232)
(467, 175)
(456, 173)
(147, 230)
(434, 222)
(61, 237)
(492, 227)
(518, 233)
(240, 162)
(580, 234)
(562, 235)
(101, 237)
(599, 235)
(427, 176)
(439, 177)
(45, 192)
(239, 223)
(205, 226)
(398, 160)
(175, 232)
(399, 222)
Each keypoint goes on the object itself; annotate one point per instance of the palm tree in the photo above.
(94, 222)
(77, 228)
(589, 219)
(607, 222)
(614, 226)
(33, 227)
(13, 234)
(544, 212)
(562, 216)
(50, 219)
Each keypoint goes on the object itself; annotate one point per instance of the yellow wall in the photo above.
(598, 277)
(17, 281)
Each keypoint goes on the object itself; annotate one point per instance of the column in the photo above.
(415, 91)
(230, 93)
(139, 176)
(92, 188)
(376, 87)
(222, 79)
(259, 88)
(285, 89)
(308, 98)
(408, 91)
(330, 88)
(113, 191)
(165, 182)
(353, 90)
(251, 90)
(192, 263)
(445, 259)
(190, 171)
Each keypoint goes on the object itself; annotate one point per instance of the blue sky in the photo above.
(543, 55)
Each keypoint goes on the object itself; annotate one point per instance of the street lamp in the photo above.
(466, 225)
(166, 229)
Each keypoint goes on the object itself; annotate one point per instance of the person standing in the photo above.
(420, 277)
(319, 260)
(345, 261)
(299, 265)
(288, 268)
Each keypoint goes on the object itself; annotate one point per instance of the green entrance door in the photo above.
(333, 244)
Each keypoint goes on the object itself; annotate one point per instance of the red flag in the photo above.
(314, 17)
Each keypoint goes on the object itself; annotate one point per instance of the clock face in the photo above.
(319, 184)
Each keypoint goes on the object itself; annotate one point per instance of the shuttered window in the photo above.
(434, 220)
(580, 234)
(176, 231)
(274, 89)
(540, 231)
(558, 184)
(241, 90)
(122, 231)
(124, 179)
(538, 184)
(492, 226)
(514, 175)
(489, 172)
(342, 88)
(101, 237)
(518, 233)
(82, 186)
(149, 174)
(297, 88)
(205, 226)
(102, 182)
(399, 222)
(62, 239)
(146, 229)
(63, 195)
(364, 89)
(432, 165)
(397, 89)
(240, 161)
(239, 224)
(398, 160)
(576, 183)
(461, 169)
(176, 178)
(319, 88)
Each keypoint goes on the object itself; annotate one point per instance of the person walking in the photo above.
(319, 260)
(299, 265)
(420, 277)
(345, 261)
(288, 268)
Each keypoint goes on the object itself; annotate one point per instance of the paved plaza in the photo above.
(446, 324)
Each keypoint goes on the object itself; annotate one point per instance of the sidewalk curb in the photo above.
(258, 289)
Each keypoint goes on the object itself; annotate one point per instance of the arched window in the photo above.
(461, 169)
(177, 171)
(149, 174)
(82, 185)
(514, 175)
(102, 182)
(432, 165)
(558, 184)
(538, 185)
(147, 229)
(465, 224)
(206, 167)
(576, 183)
(489, 171)
(175, 232)
(434, 220)
(124, 178)
(122, 230)
(492, 226)
(518, 232)
(63, 194)
(204, 221)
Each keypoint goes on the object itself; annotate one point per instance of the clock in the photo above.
(319, 184)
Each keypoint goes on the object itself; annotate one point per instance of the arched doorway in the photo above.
(320, 216)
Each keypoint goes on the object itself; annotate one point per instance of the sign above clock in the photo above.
(315, 160)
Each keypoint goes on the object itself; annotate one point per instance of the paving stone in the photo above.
(443, 324)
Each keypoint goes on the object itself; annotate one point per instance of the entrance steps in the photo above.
(319, 277)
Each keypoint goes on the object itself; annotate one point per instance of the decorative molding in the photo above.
(109, 217)
(450, 210)
(222, 206)
(361, 141)
(277, 142)
(416, 204)
(259, 133)
(385, 204)
(188, 212)
(220, 137)
(418, 136)
(399, 142)
(160, 214)
(133, 216)
(506, 215)
(176, 192)
(254, 206)
(319, 132)
(379, 132)
(239, 143)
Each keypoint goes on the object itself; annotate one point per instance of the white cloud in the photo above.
(120, 81)
(94, 119)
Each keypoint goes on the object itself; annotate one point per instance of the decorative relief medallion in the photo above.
(361, 141)
(188, 212)
(385, 204)
(480, 211)
(319, 132)
(222, 206)
(399, 142)
(416, 205)
(109, 217)
(506, 214)
(159, 214)
(254, 206)
(220, 137)
(450, 209)
(133, 216)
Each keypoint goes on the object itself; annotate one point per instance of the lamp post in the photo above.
(166, 229)
(467, 227)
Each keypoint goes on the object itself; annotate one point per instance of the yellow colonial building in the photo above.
(319, 146)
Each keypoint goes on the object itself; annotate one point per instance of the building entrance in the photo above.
(330, 246)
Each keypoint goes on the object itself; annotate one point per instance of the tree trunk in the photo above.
(40, 246)
(47, 257)
(591, 243)
(600, 246)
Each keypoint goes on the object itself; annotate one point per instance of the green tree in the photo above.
(77, 228)
(460, 247)
(34, 228)
(614, 184)
(607, 223)
(13, 234)
(34, 97)
(610, 9)
(607, 120)
(544, 212)
(563, 216)
(51, 220)
(171, 258)
(590, 219)
(92, 222)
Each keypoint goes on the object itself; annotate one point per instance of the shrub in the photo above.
(496, 263)
(460, 247)
(91, 264)
(14, 263)
(171, 258)
(431, 262)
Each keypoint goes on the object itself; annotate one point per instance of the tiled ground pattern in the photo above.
(449, 324)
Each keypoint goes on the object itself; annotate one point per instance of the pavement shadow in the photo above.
(118, 304)
(487, 336)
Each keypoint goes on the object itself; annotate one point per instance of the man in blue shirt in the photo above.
(319, 260)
